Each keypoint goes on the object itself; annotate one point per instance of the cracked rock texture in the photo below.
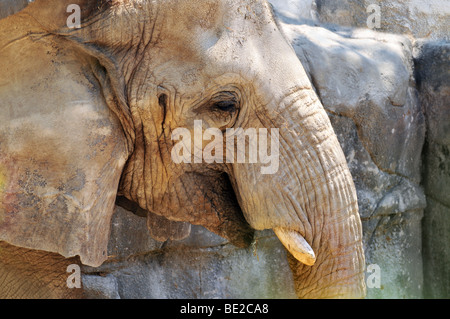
(413, 18)
(387, 98)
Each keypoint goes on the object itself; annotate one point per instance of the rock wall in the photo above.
(433, 79)
(413, 18)
(202, 266)
(387, 97)
(9, 8)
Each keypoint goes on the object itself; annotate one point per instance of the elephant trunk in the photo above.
(329, 198)
(311, 203)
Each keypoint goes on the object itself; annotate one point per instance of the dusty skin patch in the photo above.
(2, 183)
(2, 191)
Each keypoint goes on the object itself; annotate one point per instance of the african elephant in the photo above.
(88, 114)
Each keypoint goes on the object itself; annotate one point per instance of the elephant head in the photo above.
(92, 113)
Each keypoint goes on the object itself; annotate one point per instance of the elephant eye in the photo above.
(222, 108)
(225, 102)
(226, 106)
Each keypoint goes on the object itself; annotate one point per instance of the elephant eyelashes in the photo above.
(225, 102)
(226, 106)
(222, 108)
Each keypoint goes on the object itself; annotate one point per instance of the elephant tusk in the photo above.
(296, 245)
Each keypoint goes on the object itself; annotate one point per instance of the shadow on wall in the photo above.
(10, 7)
(433, 78)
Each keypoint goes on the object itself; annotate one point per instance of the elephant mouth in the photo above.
(210, 202)
(214, 205)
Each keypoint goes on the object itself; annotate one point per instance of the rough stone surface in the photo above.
(8, 8)
(433, 77)
(367, 83)
(101, 287)
(202, 266)
(414, 18)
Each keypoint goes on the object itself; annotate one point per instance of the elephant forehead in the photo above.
(197, 26)
(245, 40)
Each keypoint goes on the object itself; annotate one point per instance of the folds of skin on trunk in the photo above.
(311, 202)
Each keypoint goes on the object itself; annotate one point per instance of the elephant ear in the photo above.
(62, 148)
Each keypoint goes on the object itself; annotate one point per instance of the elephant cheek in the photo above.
(202, 199)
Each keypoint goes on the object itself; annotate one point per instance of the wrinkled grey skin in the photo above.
(93, 125)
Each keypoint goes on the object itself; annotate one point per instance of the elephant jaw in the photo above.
(296, 245)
